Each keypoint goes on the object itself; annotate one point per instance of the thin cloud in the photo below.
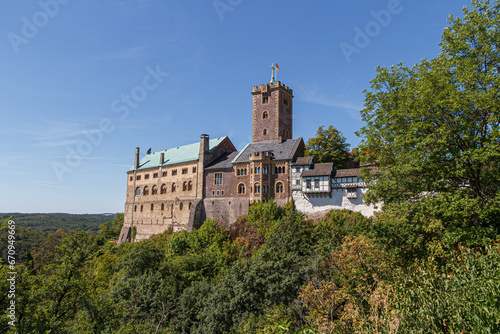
(130, 53)
(322, 97)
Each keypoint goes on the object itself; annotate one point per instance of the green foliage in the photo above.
(264, 216)
(272, 276)
(111, 229)
(329, 233)
(408, 232)
(328, 146)
(463, 299)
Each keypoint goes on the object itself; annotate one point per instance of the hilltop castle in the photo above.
(180, 187)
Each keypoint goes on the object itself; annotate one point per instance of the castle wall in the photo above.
(310, 203)
(225, 210)
(154, 213)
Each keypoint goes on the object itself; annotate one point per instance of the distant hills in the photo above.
(51, 222)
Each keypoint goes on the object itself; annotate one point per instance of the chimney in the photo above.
(162, 158)
(204, 148)
(136, 165)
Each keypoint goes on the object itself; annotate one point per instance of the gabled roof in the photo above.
(223, 162)
(176, 155)
(281, 151)
(319, 170)
(301, 161)
(352, 172)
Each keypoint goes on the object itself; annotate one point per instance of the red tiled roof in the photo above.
(319, 170)
(351, 172)
(303, 161)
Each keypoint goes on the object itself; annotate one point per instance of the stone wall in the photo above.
(336, 201)
(225, 210)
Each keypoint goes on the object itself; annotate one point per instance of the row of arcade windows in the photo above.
(164, 173)
(162, 207)
(257, 188)
(186, 186)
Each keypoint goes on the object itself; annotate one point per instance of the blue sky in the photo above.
(82, 83)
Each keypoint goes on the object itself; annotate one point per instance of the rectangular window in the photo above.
(146, 177)
(308, 184)
(218, 178)
(297, 182)
(194, 169)
(285, 101)
(265, 170)
(265, 99)
(257, 170)
(174, 172)
(164, 173)
(316, 183)
(130, 178)
(184, 171)
(138, 177)
(155, 175)
(265, 189)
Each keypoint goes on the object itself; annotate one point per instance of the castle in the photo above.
(180, 187)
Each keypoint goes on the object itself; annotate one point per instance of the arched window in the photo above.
(279, 188)
(154, 190)
(189, 206)
(173, 187)
(145, 191)
(135, 208)
(162, 206)
(184, 186)
(190, 185)
(181, 206)
(264, 132)
(265, 115)
(137, 191)
(241, 189)
(142, 207)
(152, 206)
(163, 189)
(257, 188)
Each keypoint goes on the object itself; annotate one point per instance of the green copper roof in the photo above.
(176, 155)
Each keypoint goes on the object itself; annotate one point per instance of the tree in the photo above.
(328, 146)
(433, 129)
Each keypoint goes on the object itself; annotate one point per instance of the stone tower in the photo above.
(272, 112)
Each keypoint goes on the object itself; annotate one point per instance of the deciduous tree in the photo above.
(434, 128)
(328, 146)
